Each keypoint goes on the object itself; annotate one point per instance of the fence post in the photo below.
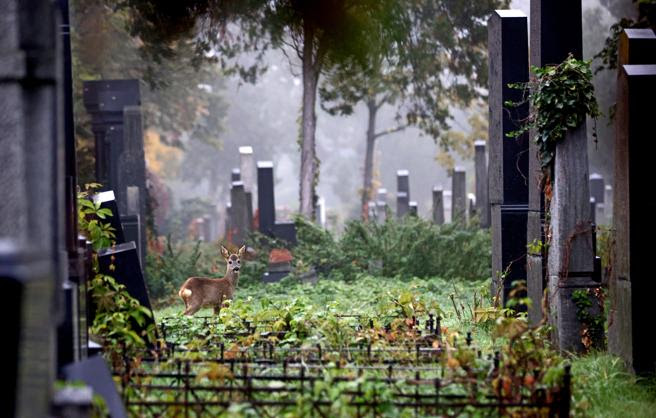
(566, 393)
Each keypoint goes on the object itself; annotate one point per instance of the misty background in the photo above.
(196, 164)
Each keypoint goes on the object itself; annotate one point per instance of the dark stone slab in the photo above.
(508, 63)
(27, 284)
(412, 209)
(235, 175)
(402, 204)
(482, 200)
(95, 373)
(438, 206)
(637, 46)
(126, 271)
(509, 233)
(285, 231)
(597, 187)
(265, 197)
(631, 286)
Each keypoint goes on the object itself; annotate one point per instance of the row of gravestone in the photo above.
(454, 204)
(577, 200)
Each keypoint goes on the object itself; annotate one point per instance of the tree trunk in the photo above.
(308, 144)
(367, 192)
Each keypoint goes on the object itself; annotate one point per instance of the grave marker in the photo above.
(459, 190)
(631, 285)
(508, 160)
(438, 206)
(239, 216)
(402, 193)
(248, 170)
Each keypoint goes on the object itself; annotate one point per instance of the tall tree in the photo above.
(435, 60)
(321, 33)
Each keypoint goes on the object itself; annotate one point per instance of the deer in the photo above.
(197, 292)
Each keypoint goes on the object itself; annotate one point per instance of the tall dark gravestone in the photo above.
(402, 193)
(240, 216)
(438, 206)
(265, 198)
(631, 285)
(459, 196)
(508, 159)
(105, 101)
(132, 174)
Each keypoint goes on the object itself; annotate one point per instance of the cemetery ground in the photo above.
(356, 323)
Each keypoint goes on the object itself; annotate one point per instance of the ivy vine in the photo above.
(561, 96)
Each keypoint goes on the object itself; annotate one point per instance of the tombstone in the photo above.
(266, 206)
(122, 263)
(280, 265)
(240, 217)
(571, 252)
(508, 160)
(95, 373)
(482, 201)
(132, 175)
(448, 200)
(412, 209)
(265, 197)
(402, 193)
(208, 232)
(27, 283)
(438, 206)
(228, 221)
(105, 101)
(593, 210)
(631, 286)
(248, 170)
(133, 227)
(372, 212)
(459, 190)
(235, 175)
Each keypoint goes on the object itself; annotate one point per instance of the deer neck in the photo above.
(233, 277)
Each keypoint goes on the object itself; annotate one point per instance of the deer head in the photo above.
(233, 261)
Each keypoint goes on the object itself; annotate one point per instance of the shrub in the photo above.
(409, 247)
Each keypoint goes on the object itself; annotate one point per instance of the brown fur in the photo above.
(197, 292)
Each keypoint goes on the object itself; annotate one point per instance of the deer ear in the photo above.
(224, 252)
(241, 250)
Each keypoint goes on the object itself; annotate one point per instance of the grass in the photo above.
(602, 387)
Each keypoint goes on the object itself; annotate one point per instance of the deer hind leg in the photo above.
(192, 308)
(217, 307)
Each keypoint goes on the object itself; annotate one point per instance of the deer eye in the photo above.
(238, 262)
(230, 262)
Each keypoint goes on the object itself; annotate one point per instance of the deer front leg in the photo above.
(217, 307)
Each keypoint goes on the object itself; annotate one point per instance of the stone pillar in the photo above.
(438, 206)
(265, 197)
(239, 213)
(248, 171)
(402, 193)
(631, 285)
(32, 245)
(482, 201)
(132, 173)
(548, 46)
(508, 162)
(105, 101)
(459, 190)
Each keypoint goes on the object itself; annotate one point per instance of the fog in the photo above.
(265, 115)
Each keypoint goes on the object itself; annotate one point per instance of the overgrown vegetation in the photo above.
(117, 315)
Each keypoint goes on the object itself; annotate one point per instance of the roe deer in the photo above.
(197, 292)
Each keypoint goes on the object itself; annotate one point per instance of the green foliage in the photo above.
(90, 217)
(561, 97)
(410, 247)
(117, 314)
(587, 301)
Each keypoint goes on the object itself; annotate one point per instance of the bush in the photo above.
(407, 248)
